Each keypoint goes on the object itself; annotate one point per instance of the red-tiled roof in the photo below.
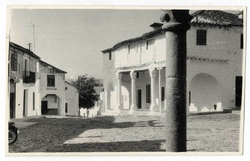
(216, 17)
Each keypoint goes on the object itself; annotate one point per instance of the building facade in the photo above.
(134, 70)
(23, 84)
(37, 88)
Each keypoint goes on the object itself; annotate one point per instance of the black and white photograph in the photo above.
(125, 80)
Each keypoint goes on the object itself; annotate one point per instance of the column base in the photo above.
(154, 108)
(119, 107)
(132, 108)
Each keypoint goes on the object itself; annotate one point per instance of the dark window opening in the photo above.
(148, 93)
(128, 49)
(241, 41)
(162, 94)
(201, 37)
(66, 107)
(51, 80)
(110, 55)
(137, 75)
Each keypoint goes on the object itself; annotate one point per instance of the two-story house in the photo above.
(134, 69)
(37, 88)
(58, 97)
(23, 84)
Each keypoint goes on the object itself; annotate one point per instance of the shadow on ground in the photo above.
(49, 135)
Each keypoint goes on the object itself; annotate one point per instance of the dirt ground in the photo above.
(205, 133)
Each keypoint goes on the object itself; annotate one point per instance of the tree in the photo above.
(87, 95)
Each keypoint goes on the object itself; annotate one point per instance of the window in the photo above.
(66, 107)
(148, 93)
(162, 94)
(241, 41)
(147, 45)
(66, 88)
(13, 61)
(137, 75)
(34, 103)
(51, 80)
(201, 37)
(128, 49)
(110, 55)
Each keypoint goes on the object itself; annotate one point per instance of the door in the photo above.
(12, 105)
(238, 91)
(44, 107)
(139, 98)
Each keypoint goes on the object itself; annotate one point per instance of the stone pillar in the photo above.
(159, 69)
(133, 92)
(153, 106)
(175, 25)
(119, 104)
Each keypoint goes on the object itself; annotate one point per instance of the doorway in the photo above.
(139, 98)
(12, 105)
(44, 107)
(238, 90)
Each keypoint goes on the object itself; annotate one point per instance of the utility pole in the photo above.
(175, 25)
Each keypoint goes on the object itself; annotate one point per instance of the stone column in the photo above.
(153, 106)
(133, 92)
(119, 104)
(159, 69)
(175, 25)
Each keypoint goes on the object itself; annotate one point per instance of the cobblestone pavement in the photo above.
(205, 133)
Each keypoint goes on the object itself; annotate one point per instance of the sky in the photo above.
(72, 39)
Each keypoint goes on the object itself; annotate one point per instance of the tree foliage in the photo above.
(87, 95)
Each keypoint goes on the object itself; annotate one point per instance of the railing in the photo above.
(29, 77)
(32, 77)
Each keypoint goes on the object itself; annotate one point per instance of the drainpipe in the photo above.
(176, 24)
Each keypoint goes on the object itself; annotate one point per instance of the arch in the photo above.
(51, 104)
(204, 93)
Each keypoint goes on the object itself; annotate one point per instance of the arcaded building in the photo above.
(134, 69)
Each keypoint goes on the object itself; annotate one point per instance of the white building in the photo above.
(37, 88)
(134, 69)
(23, 76)
(58, 97)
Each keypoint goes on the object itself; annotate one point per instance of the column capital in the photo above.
(152, 72)
(159, 68)
(133, 74)
(118, 75)
(175, 19)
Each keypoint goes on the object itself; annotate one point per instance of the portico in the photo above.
(139, 89)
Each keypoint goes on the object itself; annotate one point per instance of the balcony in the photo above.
(29, 77)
